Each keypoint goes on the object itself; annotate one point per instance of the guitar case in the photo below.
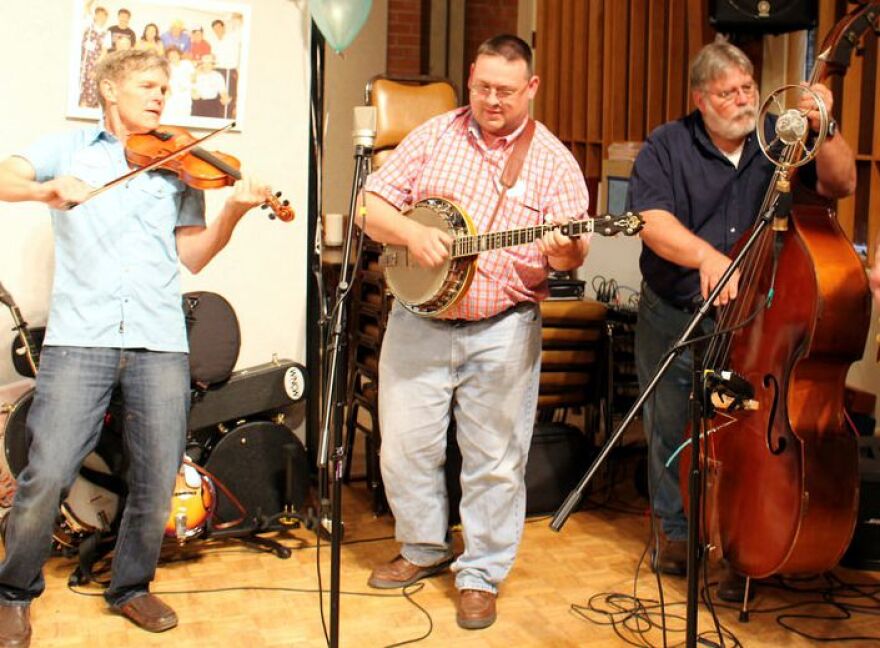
(214, 338)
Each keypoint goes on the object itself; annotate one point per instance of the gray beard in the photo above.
(728, 128)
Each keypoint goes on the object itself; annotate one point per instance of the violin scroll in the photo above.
(281, 209)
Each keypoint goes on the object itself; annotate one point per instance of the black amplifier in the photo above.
(254, 390)
(864, 550)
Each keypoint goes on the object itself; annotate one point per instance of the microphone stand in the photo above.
(334, 395)
(776, 209)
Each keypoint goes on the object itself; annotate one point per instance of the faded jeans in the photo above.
(64, 424)
(666, 413)
(486, 375)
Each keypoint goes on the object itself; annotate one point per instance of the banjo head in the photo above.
(426, 291)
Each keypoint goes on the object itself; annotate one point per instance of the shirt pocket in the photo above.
(155, 197)
(157, 185)
(521, 211)
(91, 167)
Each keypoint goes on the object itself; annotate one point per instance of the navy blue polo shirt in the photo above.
(681, 171)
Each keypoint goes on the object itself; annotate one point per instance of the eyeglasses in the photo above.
(484, 91)
(726, 96)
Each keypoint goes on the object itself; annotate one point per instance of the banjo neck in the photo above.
(607, 225)
(469, 245)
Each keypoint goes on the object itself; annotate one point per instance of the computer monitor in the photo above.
(613, 196)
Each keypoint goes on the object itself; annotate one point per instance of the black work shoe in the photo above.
(732, 587)
(671, 559)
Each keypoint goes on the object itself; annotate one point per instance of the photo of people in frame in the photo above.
(205, 42)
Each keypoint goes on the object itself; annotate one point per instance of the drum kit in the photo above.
(245, 471)
(241, 483)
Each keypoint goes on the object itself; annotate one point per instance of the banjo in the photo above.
(431, 291)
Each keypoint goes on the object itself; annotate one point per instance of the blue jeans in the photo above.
(64, 424)
(666, 413)
(486, 375)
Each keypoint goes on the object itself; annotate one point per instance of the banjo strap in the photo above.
(514, 165)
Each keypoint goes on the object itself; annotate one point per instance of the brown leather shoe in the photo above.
(476, 609)
(15, 626)
(672, 559)
(400, 572)
(149, 612)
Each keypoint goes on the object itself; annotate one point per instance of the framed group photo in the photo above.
(205, 43)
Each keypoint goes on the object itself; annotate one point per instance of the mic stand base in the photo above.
(575, 496)
(334, 402)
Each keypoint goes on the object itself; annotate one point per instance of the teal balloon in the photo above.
(340, 21)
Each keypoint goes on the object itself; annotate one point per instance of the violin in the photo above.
(174, 149)
(195, 166)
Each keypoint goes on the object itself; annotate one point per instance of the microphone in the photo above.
(730, 391)
(364, 133)
(791, 126)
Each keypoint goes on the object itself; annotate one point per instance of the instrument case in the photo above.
(254, 390)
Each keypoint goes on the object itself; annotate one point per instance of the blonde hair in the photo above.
(118, 65)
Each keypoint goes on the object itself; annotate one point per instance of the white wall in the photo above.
(345, 77)
(262, 272)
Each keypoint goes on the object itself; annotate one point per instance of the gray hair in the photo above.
(714, 60)
(117, 65)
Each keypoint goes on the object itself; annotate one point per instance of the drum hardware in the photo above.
(11, 398)
(30, 349)
(274, 480)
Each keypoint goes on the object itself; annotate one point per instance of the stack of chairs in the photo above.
(369, 314)
(573, 354)
(402, 103)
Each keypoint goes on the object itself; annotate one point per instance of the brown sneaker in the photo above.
(672, 559)
(148, 612)
(400, 572)
(15, 626)
(476, 609)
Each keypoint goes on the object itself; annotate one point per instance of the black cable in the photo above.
(608, 291)
(633, 617)
(406, 593)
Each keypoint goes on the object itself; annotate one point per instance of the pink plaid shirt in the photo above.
(446, 157)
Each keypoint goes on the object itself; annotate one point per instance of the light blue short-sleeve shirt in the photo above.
(117, 273)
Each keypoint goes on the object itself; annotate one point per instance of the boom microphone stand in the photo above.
(775, 210)
(334, 395)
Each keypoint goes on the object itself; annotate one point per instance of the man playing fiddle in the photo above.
(115, 322)
(699, 182)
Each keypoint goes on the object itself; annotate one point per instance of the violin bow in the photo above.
(157, 163)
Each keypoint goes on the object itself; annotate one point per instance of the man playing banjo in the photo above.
(478, 360)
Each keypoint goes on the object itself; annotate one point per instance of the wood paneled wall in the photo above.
(612, 70)
(856, 100)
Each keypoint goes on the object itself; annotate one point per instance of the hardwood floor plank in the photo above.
(596, 551)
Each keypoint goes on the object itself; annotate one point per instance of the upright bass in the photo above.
(782, 491)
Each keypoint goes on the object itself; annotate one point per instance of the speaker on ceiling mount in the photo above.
(763, 16)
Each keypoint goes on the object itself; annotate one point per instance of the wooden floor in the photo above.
(228, 595)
